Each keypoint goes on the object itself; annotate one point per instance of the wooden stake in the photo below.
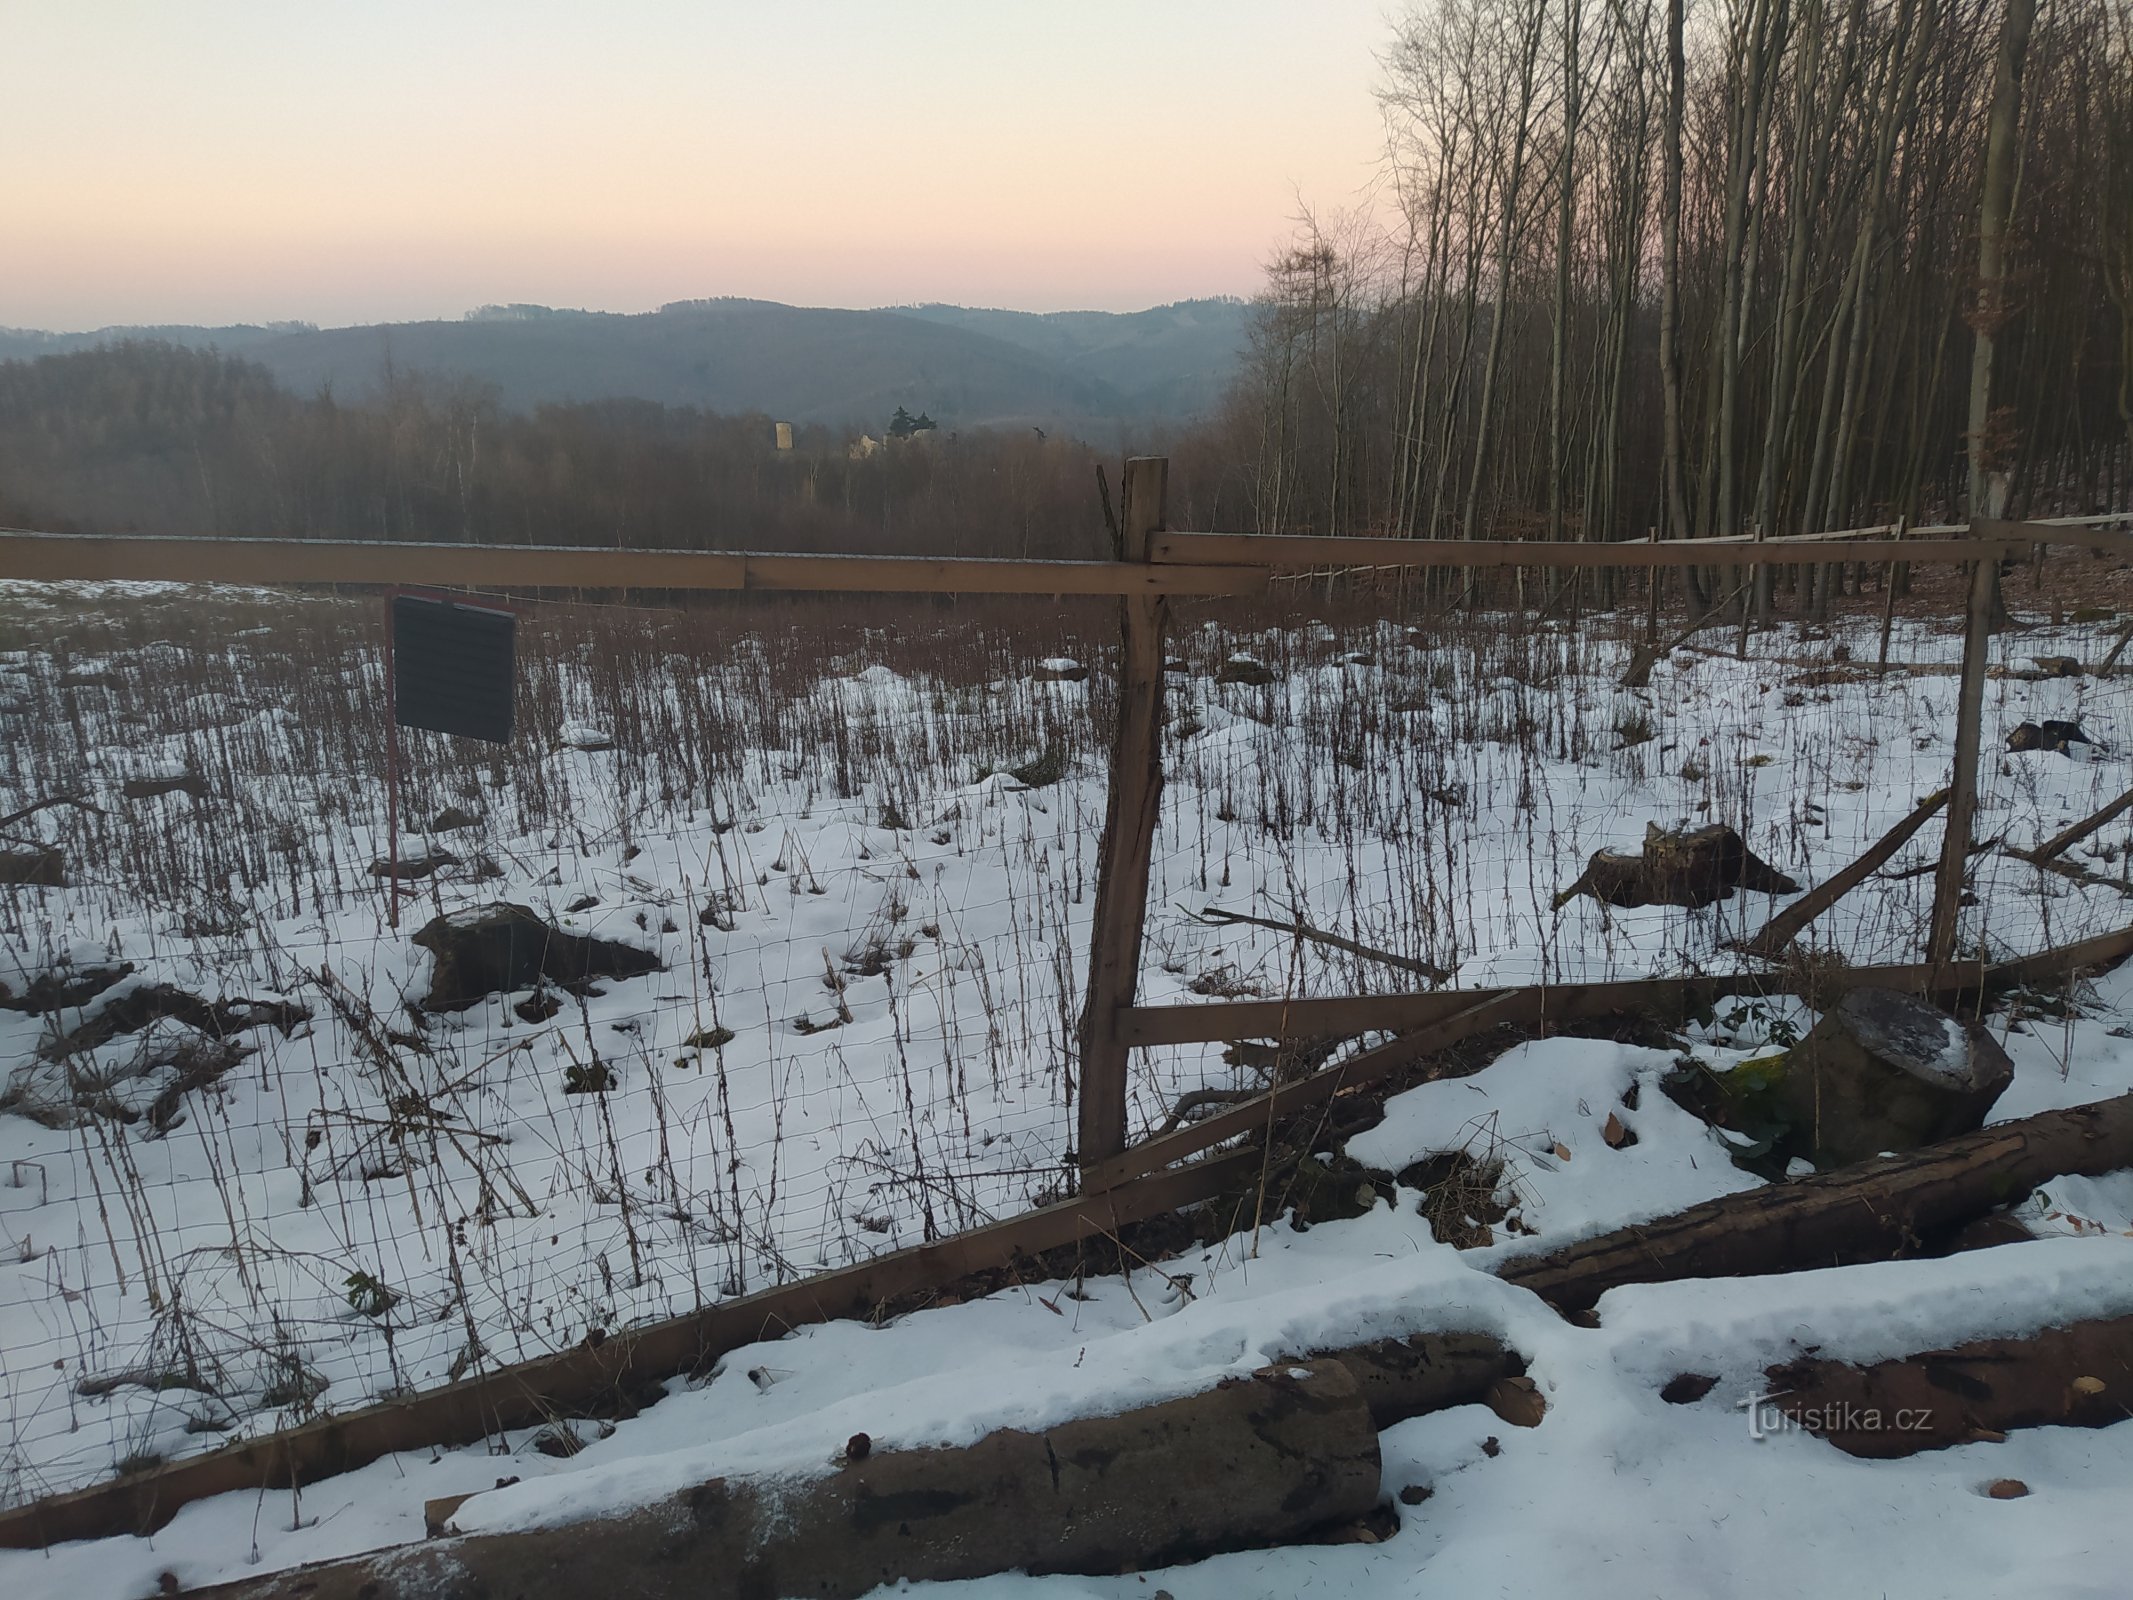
(1783, 928)
(1962, 788)
(2060, 843)
(1123, 855)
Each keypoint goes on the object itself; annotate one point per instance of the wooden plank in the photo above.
(1783, 928)
(1127, 847)
(1358, 1071)
(564, 1385)
(1345, 1016)
(1962, 787)
(1537, 1007)
(55, 557)
(2059, 843)
(2077, 533)
(2066, 961)
(1184, 563)
(2094, 533)
(1284, 552)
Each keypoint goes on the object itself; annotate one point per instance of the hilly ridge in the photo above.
(1081, 370)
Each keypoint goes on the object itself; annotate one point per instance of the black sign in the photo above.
(452, 668)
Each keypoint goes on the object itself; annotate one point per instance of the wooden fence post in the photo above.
(1128, 843)
(1962, 790)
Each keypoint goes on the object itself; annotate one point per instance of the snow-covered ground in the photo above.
(1616, 1493)
(893, 938)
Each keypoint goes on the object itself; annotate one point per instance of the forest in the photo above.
(1765, 265)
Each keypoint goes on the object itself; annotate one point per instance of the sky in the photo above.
(214, 162)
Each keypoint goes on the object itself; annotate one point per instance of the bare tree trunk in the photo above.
(1993, 308)
(1500, 311)
(1674, 468)
(1565, 225)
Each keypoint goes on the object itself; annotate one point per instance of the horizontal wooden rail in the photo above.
(46, 556)
(1521, 1007)
(565, 1385)
(1346, 1016)
(1205, 564)
(1466, 1013)
(1282, 552)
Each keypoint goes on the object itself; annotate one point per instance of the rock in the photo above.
(1043, 772)
(411, 867)
(1333, 1190)
(584, 736)
(1887, 1071)
(558, 1439)
(1517, 1401)
(1685, 867)
(537, 1007)
(1244, 669)
(451, 818)
(2050, 734)
(1686, 1388)
(41, 867)
(2006, 1489)
(1059, 670)
(500, 947)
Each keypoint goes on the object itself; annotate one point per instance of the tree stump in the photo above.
(2051, 734)
(43, 867)
(1884, 1071)
(1685, 867)
(500, 947)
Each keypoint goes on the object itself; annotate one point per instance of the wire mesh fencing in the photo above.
(840, 859)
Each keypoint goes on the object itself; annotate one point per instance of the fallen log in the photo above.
(1252, 1462)
(2059, 843)
(1779, 932)
(1864, 1213)
(2074, 1377)
(1638, 674)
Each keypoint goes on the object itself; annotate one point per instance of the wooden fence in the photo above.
(1120, 1185)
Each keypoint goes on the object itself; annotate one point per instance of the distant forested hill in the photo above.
(1079, 370)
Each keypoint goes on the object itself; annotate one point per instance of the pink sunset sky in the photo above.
(223, 162)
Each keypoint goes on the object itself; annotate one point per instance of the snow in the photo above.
(808, 1140)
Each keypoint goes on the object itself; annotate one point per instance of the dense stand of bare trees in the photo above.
(1699, 266)
(1739, 265)
(156, 439)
